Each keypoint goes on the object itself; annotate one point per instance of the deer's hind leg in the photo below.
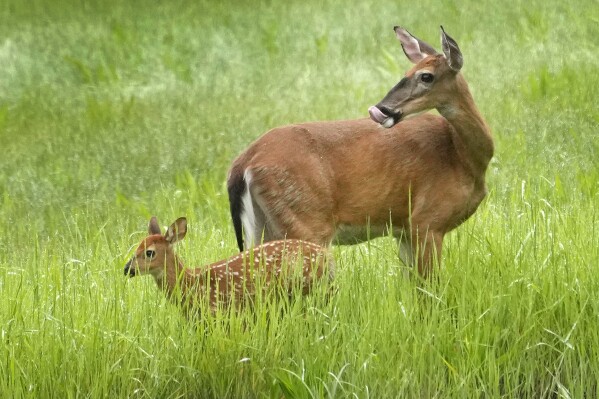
(292, 209)
(426, 247)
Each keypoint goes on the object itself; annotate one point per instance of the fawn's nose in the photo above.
(129, 271)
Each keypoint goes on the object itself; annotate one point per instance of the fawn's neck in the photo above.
(176, 281)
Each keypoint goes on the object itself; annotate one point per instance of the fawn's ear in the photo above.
(154, 227)
(452, 51)
(415, 49)
(176, 231)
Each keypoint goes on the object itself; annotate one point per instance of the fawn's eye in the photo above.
(427, 77)
(150, 254)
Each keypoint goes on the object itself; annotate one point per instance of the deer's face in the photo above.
(150, 257)
(424, 87)
(429, 84)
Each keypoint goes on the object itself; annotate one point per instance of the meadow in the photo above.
(111, 112)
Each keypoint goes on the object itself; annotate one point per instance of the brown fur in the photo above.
(231, 280)
(425, 174)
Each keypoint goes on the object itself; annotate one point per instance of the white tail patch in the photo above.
(248, 215)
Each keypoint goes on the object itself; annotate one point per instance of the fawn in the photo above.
(233, 280)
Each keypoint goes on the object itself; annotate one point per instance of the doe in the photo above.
(233, 280)
(347, 181)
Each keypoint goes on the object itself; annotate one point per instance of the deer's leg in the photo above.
(406, 255)
(426, 247)
(292, 208)
(405, 251)
(311, 224)
(318, 230)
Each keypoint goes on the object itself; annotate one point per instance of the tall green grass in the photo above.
(113, 112)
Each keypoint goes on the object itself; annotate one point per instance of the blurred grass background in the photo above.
(111, 112)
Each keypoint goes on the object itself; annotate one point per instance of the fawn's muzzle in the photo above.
(129, 271)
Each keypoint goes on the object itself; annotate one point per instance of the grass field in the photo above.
(113, 112)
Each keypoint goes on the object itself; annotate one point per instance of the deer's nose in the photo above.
(376, 114)
(129, 271)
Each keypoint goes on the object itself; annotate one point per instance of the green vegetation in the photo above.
(111, 113)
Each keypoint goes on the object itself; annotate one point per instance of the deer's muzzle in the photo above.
(129, 271)
(385, 119)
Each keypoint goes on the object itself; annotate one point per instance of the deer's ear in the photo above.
(154, 227)
(452, 51)
(415, 49)
(176, 231)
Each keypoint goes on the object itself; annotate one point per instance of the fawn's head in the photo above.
(431, 83)
(156, 251)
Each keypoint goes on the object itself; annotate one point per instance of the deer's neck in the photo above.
(471, 135)
(176, 281)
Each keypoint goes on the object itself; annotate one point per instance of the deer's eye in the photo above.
(150, 254)
(427, 77)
